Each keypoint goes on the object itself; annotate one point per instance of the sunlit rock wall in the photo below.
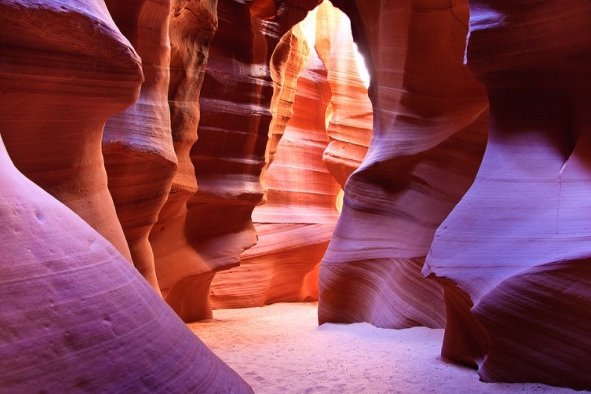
(179, 267)
(229, 154)
(514, 254)
(297, 220)
(428, 140)
(351, 114)
(137, 143)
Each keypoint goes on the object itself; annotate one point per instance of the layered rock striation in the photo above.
(179, 267)
(66, 69)
(76, 316)
(428, 139)
(513, 256)
(297, 220)
(208, 230)
(137, 143)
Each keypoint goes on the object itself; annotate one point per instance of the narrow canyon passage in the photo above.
(299, 196)
(281, 349)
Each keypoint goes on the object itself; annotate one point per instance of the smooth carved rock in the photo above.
(66, 68)
(229, 154)
(295, 224)
(429, 136)
(137, 143)
(514, 254)
(76, 317)
(178, 264)
(351, 119)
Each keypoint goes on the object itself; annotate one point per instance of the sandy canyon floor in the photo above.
(281, 349)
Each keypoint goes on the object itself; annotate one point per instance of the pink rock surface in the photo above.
(514, 254)
(137, 143)
(76, 317)
(429, 135)
(66, 68)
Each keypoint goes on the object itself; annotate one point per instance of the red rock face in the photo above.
(76, 317)
(66, 69)
(229, 155)
(192, 25)
(297, 220)
(137, 144)
(429, 135)
(513, 252)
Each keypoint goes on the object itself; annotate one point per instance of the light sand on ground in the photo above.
(280, 349)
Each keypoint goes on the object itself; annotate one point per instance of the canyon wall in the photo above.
(314, 142)
(76, 315)
(137, 143)
(215, 225)
(429, 132)
(513, 256)
(66, 70)
(297, 220)
(178, 265)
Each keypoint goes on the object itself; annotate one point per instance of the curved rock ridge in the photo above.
(208, 233)
(514, 254)
(76, 317)
(137, 143)
(351, 121)
(66, 68)
(297, 220)
(178, 264)
(428, 139)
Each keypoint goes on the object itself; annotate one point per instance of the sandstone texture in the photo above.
(66, 69)
(212, 226)
(428, 139)
(77, 317)
(513, 256)
(297, 220)
(180, 269)
(137, 143)
(319, 133)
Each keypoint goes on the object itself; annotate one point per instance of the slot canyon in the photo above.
(295, 196)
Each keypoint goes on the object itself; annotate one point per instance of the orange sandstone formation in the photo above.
(205, 235)
(66, 68)
(76, 317)
(351, 116)
(297, 220)
(137, 143)
(429, 135)
(179, 267)
(514, 254)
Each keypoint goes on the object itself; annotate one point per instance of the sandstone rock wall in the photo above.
(297, 219)
(66, 69)
(429, 136)
(192, 26)
(313, 144)
(513, 256)
(137, 143)
(76, 316)
(229, 154)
